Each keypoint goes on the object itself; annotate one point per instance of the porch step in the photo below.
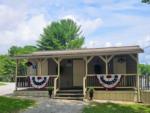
(73, 94)
(69, 95)
(69, 98)
(70, 91)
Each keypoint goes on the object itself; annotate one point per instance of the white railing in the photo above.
(127, 81)
(84, 85)
(24, 82)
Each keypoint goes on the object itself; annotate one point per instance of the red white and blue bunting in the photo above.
(109, 81)
(39, 82)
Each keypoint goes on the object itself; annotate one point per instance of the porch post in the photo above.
(59, 72)
(136, 59)
(138, 81)
(106, 62)
(37, 68)
(40, 67)
(58, 75)
(84, 78)
(16, 75)
(87, 60)
(86, 67)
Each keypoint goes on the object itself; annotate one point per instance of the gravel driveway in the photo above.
(7, 89)
(46, 105)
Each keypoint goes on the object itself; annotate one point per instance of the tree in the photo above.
(7, 66)
(63, 34)
(146, 1)
(144, 69)
(14, 50)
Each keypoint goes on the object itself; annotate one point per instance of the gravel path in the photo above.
(7, 89)
(45, 105)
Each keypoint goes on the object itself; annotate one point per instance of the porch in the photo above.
(79, 71)
(70, 79)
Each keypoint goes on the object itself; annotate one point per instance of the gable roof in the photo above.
(83, 52)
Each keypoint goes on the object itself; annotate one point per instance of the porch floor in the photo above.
(96, 89)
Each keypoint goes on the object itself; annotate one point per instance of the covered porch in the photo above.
(78, 69)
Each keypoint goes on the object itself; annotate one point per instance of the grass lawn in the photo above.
(1, 84)
(13, 105)
(116, 108)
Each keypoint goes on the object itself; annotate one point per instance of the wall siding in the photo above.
(31, 93)
(131, 65)
(119, 68)
(45, 67)
(96, 60)
(30, 70)
(52, 67)
(145, 97)
(130, 96)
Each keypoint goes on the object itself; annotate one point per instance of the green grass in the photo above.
(13, 105)
(116, 108)
(1, 84)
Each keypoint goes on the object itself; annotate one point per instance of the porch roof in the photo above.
(83, 52)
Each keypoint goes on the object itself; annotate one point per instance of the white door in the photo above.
(78, 72)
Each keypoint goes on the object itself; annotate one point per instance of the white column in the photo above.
(84, 78)
(106, 62)
(138, 81)
(39, 67)
(136, 59)
(86, 67)
(59, 60)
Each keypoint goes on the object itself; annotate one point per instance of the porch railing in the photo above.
(24, 82)
(145, 82)
(127, 81)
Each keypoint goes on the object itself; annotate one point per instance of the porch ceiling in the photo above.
(83, 52)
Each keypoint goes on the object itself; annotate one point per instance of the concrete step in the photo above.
(73, 94)
(69, 98)
(70, 91)
(69, 94)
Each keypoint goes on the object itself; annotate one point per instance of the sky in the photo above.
(104, 23)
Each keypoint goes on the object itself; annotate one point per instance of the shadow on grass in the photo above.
(116, 108)
(14, 105)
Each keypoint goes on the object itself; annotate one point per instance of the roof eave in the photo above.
(30, 56)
